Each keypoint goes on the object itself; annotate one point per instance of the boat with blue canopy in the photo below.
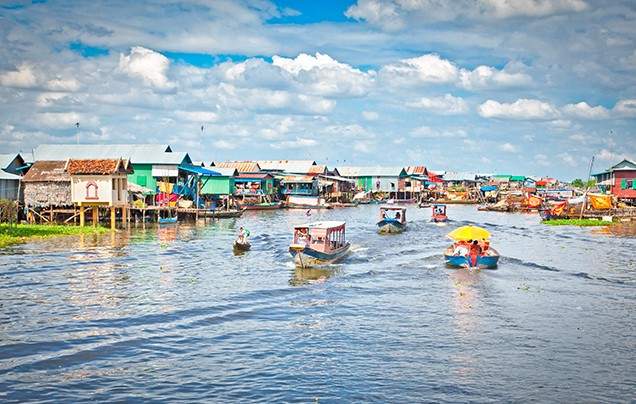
(319, 243)
(392, 220)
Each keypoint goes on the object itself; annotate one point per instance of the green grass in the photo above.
(576, 222)
(24, 232)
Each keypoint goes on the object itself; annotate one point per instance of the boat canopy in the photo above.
(322, 225)
(400, 208)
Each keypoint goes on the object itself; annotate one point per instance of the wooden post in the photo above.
(82, 218)
(95, 215)
(113, 218)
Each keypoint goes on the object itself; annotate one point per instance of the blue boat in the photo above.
(487, 261)
(392, 220)
(319, 243)
(167, 220)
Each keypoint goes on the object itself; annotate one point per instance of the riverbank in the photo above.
(15, 234)
(576, 222)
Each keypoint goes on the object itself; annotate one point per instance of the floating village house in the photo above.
(221, 185)
(619, 180)
(151, 163)
(251, 184)
(99, 183)
(47, 191)
(376, 179)
(11, 166)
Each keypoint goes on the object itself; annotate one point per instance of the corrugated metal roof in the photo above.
(241, 166)
(298, 179)
(8, 176)
(226, 171)
(97, 167)
(258, 176)
(377, 171)
(136, 153)
(288, 166)
(51, 171)
(7, 159)
(317, 169)
(460, 176)
(201, 170)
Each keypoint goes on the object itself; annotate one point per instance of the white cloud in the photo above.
(24, 77)
(152, 67)
(522, 109)
(578, 137)
(370, 115)
(392, 15)
(426, 132)
(608, 155)
(625, 108)
(585, 111)
(489, 77)
(298, 143)
(508, 148)
(62, 84)
(363, 147)
(568, 159)
(430, 68)
(65, 120)
(225, 145)
(323, 75)
(443, 105)
(196, 116)
(541, 159)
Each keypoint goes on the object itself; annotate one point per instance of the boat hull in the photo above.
(308, 257)
(390, 226)
(241, 246)
(263, 206)
(463, 261)
(439, 219)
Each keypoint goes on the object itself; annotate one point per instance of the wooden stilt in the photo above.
(82, 217)
(113, 218)
(95, 216)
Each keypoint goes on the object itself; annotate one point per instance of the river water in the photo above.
(171, 314)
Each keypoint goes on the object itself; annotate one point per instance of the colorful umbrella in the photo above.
(466, 233)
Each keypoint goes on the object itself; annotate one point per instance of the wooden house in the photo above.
(99, 183)
(47, 186)
(150, 162)
(619, 180)
(375, 179)
(10, 171)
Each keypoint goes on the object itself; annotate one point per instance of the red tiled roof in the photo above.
(97, 167)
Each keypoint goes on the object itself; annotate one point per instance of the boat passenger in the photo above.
(243, 235)
(397, 215)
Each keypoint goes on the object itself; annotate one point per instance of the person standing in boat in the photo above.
(474, 252)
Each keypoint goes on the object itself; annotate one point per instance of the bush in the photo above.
(8, 211)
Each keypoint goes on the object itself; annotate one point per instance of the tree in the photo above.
(578, 183)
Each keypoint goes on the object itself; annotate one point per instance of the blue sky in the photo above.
(531, 87)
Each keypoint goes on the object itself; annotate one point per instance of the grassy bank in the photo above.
(25, 232)
(576, 222)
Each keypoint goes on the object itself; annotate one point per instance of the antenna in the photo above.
(77, 132)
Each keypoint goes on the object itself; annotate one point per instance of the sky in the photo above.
(526, 87)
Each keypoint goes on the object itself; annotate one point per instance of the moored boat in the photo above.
(168, 220)
(392, 220)
(319, 243)
(263, 206)
(439, 213)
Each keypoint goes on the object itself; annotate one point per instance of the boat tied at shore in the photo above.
(319, 243)
(392, 220)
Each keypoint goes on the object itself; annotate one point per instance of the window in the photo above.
(91, 190)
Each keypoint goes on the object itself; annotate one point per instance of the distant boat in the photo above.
(439, 213)
(392, 220)
(263, 206)
(319, 243)
(222, 214)
(306, 202)
(167, 220)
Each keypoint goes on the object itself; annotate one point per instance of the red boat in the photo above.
(439, 213)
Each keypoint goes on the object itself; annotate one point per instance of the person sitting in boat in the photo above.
(397, 216)
(461, 248)
(485, 245)
(243, 235)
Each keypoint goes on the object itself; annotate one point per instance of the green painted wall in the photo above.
(218, 186)
(366, 183)
(142, 176)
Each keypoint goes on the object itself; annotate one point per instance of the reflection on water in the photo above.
(106, 317)
(625, 229)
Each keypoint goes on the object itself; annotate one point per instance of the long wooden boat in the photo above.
(489, 260)
(319, 243)
(222, 214)
(392, 220)
(263, 206)
(439, 213)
